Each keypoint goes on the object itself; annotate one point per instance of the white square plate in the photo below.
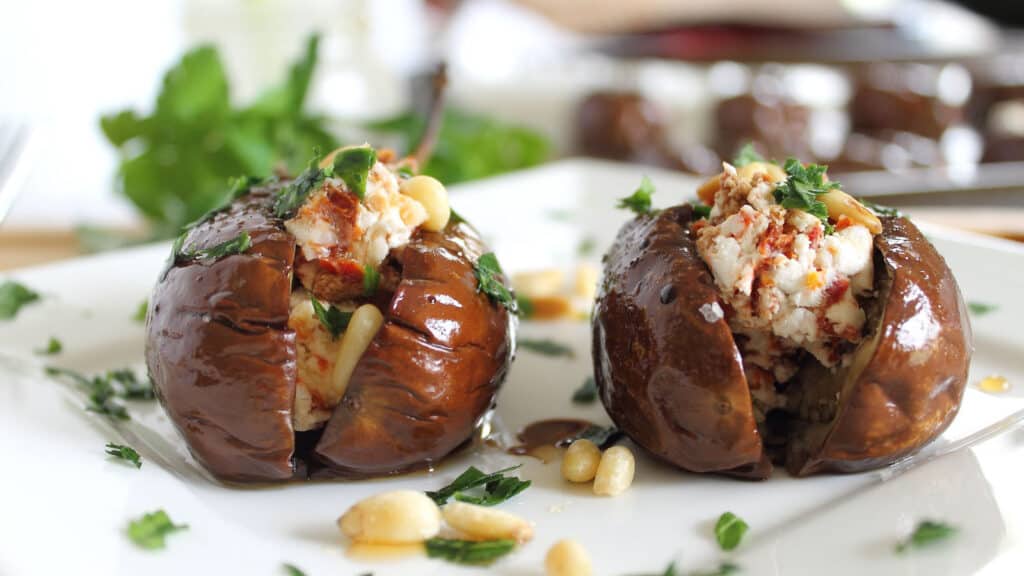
(64, 506)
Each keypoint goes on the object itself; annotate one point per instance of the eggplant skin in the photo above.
(432, 372)
(222, 358)
(668, 378)
(219, 350)
(905, 383)
(674, 382)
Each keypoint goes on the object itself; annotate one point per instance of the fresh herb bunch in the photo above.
(175, 162)
(469, 146)
(802, 187)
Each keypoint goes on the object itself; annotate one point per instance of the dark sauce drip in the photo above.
(557, 433)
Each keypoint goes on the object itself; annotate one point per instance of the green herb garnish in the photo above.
(881, 210)
(547, 347)
(292, 570)
(353, 166)
(981, 308)
(724, 569)
(746, 155)
(602, 436)
(469, 551)
(474, 478)
(701, 211)
(295, 193)
(14, 295)
(405, 172)
(371, 279)
(586, 393)
(104, 390)
(586, 246)
(488, 273)
(524, 307)
(210, 139)
(123, 452)
(928, 532)
(237, 245)
(150, 531)
(53, 346)
(802, 187)
(333, 319)
(640, 201)
(140, 312)
(729, 530)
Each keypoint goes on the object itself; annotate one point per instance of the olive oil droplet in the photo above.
(994, 384)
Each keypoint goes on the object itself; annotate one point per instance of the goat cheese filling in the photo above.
(788, 286)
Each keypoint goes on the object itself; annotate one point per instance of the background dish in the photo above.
(66, 505)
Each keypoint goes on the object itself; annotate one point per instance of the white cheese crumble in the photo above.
(711, 312)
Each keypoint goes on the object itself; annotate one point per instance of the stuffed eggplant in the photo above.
(348, 308)
(778, 322)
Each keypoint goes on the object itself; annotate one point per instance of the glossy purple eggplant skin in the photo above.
(674, 382)
(222, 358)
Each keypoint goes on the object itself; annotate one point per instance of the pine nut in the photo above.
(586, 282)
(481, 523)
(615, 472)
(538, 283)
(362, 328)
(840, 203)
(434, 198)
(399, 517)
(581, 461)
(567, 558)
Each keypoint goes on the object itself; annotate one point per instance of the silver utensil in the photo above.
(15, 144)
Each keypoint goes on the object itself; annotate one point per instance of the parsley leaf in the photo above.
(881, 210)
(729, 530)
(292, 570)
(14, 295)
(52, 347)
(524, 306)
(928, 532)
(474, 478)
(371, 279)
(496, 491)
(547, 347)
(294, 194)
(640, 201)
(151, 530)
(981, 308)
(586, 247)
(488, 273)
(104, 390)
(123, 452)
(353, 166)
(586, 393)
(140, 312)
(747, 155)
(468, 551)
(333, 319)
(237, 245)
(701, 211)
(802, 187)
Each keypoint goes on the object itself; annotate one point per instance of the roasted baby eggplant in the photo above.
(779, 322)
(347, 306)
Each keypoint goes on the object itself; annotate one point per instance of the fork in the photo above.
(15, 142)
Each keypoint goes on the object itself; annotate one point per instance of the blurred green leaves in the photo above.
(176, 162)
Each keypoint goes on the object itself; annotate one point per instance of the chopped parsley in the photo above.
(524, 307)
(333, 319)
(497, 487)
(294, 194)
(126, 453)
(488, 276)
(586, 246)
(353, 166)
(981, 308)
(292, 570)
(53, 346)
(14, 295)
(729, 530)
(371, 279)
(586, 393)
(151, 530)
(140, 312)
(747, 155)
(103, 391)
(546, 346)
(701, 211)
(602, 436)
(468, 551)
(802, 187)
(405, 171)
(237, 245)
(928, 532)
(881, 210)
(640, 201)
